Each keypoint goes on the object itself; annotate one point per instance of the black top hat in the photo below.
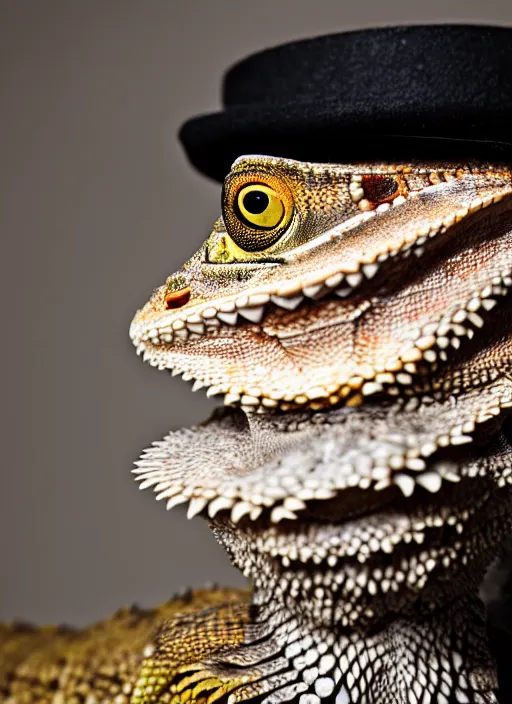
(396, 93)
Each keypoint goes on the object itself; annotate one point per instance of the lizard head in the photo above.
(320, 283)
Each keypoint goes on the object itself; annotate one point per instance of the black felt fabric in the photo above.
(435, 91)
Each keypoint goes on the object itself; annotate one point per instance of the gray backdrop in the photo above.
(98, 206)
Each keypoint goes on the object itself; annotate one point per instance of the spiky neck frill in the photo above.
(357, 573)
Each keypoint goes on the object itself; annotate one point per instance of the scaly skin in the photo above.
(356, 320)
(106, 662)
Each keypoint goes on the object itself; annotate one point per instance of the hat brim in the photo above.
(328, 131)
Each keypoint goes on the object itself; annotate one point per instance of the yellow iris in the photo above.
(260, 206)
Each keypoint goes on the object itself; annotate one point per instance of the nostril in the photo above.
(177, 299)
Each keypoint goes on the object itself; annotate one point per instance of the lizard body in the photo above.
(356, 321)
(104, 663)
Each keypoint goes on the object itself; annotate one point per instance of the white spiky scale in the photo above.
(175, 501)
(253, 314)
(258, 299)
(405, 483)
(221, 503)
(280, 513)
(240, 509)
(196, 505)
(230, 318)
(312, 290)
(288, 303)
(431, 481)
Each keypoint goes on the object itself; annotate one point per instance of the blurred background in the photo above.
(97, 207)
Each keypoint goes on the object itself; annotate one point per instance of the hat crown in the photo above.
(475, 61)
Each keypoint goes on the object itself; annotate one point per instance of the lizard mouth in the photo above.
(375, 317)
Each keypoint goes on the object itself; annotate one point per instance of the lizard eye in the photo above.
(260, 206)
(256, 214)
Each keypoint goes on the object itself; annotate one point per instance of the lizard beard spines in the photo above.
(277, 464)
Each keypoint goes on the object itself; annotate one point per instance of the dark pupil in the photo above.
(256, 202)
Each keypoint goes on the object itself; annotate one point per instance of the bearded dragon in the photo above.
(355, 321)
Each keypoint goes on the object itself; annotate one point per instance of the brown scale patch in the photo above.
(379, 188)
